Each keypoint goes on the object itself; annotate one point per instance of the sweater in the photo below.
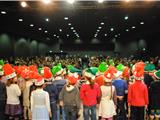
(138, 94)
(70, 96)
(13, 93)
(88, 95)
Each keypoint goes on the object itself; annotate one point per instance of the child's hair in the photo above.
(9, 82)
(91, 82)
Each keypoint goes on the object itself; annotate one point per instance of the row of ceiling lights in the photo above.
(47, 20)
(112, 29)
(74, 31)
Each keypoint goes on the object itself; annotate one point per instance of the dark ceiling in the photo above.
(85, 18)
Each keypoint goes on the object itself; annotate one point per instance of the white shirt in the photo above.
(40, 98)
(13, 93)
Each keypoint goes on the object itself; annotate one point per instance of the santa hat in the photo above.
(149, 67)
(47, 74)
(39, 80)
(9, 71)
(157, 74)
(1, 67)
(109, 74)
(72, 80)
(25, 73)
(120, 68)
(126, 72)
(138, 71)
(57, 70)
(33, 68)
(90, 73)
(102, 67)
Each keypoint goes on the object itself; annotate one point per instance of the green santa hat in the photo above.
(103, 67)
(111, 62)
(57, 70)
(74, 70)
(91, 72)
(1, 67)
(157, 74)
(149, 67)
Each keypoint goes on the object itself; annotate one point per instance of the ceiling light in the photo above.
(72, 28)
(102, 23)
(71, 1)
(105, 34)
(46, 1)
(69, 24)
(20, 20)
(54, 35)
(23, 4)
(112, 29)
(99, 27)
(46, 31)
(39, 29)
(141, 23)
(65, 18)
(127, 30)
(98, 30)
(31, 25)
(67, 35)
(133, 27)
(127, 0)
(57, 36)
(100, 1)
(3, 12)
(126, 17)
(60, 30)
(47, 19)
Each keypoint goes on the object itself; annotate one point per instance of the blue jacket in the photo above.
(53, 92)
(121, 86)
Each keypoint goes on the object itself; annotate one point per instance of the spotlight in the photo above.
(46, 1)
(127, 0)
(3, 12)
(20, 20)
(47, 19)
(31, 25)
(100, 1)
(141, 23)
(65, 18)
(39, 29)
(71, 1)
(126, 17)
(45, 31)
(23, 4)
(133, 27)
(112, 29)
(69, 24)
(102, 23)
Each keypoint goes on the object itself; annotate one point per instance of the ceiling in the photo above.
(81, 20)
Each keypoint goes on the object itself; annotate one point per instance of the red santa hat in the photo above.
(72, 80)
(33, 68)
(39, 80)
(138, 71)
(47, 74)
(126, 72)
(109, 74)
(9, 71)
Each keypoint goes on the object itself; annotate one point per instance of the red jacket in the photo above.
(138, 94)
(89, 96)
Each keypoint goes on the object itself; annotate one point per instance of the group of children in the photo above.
(102, 92)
